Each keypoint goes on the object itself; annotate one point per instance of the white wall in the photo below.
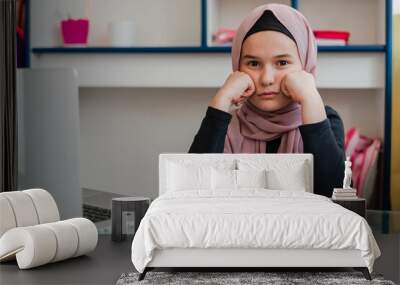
(359, 108)
(124, 129)
(48, 136)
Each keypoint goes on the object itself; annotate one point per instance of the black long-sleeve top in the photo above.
(325, 140)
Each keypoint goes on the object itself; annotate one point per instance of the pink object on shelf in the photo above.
(75, 31)
(224, 35)
(332, 34)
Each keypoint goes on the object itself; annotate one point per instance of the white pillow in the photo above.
(188, 177)
(237, 179)
(282, 174)
(251, 178)
(295, 180)
(223, 179)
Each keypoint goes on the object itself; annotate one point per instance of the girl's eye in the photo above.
(252, 63)
(285, 62)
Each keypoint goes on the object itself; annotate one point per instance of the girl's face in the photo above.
(267, 57)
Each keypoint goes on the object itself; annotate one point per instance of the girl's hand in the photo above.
(236, 89)
(299, 86)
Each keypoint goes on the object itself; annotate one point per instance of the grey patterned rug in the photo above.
(229, 278)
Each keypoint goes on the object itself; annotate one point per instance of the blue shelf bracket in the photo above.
(388, 107)
(295, 4)
(204, 24)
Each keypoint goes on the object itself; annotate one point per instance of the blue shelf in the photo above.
(353, 48)
(224, 49)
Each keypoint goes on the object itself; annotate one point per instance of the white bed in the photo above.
(221, 226)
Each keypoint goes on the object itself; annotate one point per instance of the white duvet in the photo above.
(251, 218)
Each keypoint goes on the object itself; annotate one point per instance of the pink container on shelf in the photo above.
(75, 31)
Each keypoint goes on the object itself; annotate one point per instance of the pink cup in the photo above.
(75, 31)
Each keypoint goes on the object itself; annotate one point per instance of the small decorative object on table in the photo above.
(346, 192)
(126, 214)
(347, 196)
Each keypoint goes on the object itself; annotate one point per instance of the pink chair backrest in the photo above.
(363, 152)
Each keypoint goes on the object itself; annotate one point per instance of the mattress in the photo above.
(250, 218)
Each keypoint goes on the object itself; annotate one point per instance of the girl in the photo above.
(280, 110)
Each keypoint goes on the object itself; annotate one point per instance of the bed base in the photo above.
(142, 275)
(247, 259)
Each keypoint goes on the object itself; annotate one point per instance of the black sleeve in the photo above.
(211, 136)
(325, 140)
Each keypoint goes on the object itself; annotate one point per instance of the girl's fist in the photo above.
(299, 86)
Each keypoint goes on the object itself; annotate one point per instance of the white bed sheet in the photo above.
(250, 218)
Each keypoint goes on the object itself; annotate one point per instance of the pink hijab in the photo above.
(250, 127)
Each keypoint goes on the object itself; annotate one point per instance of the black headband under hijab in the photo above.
(268, 22)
